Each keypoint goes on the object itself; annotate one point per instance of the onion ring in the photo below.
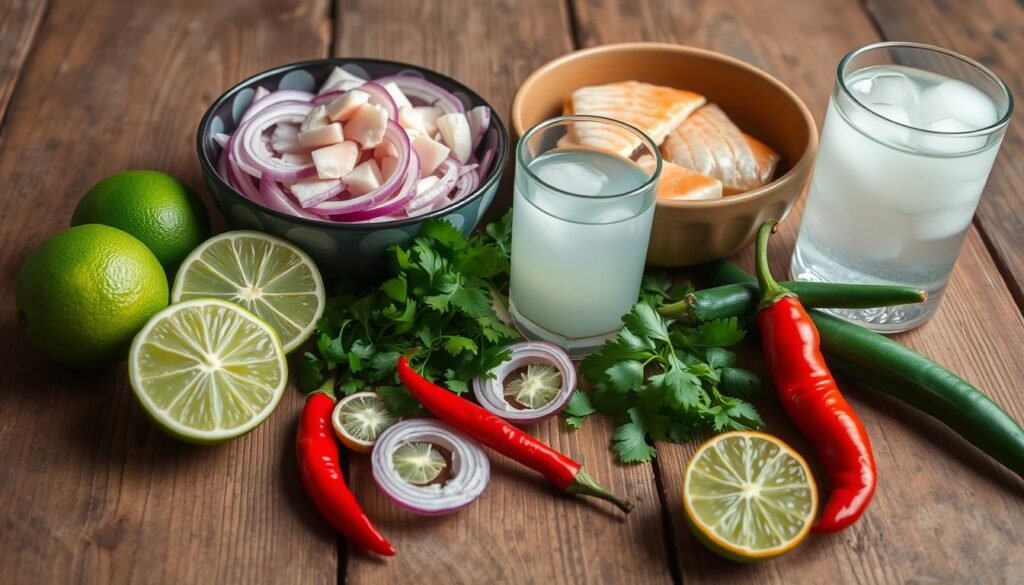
(490, 392)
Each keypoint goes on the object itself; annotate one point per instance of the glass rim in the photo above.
(1000, 124)
(521, 163)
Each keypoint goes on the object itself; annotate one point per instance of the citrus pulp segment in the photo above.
(268, 276)
(359, 419)
(207, 371)
(749, 496)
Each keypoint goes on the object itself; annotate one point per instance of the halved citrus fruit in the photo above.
(270, 277)
(359, 419)
(749, 496)
(207, 371)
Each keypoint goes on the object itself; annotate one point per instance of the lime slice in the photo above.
(749, 496)
(268, 276)
(535, 387)
(207, 371)
(418, 463)
(359, 419)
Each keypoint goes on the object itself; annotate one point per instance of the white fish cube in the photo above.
(316, 118)
(454, 129)
(312, 189)
(337, 160)
(410, 119)
(396, 94)
(339, 79)
(429, 116)
(342, 108)
(367, 125)
(431, 154)
(364, 178)
(324, 136)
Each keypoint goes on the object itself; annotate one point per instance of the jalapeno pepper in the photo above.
(500, 435)
(811, 397)
(321, 476)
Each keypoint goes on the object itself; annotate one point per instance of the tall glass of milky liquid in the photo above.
(581, 221)
(909, 139)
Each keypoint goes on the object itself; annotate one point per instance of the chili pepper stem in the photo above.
(326, 388)
(585, 485)
(681, 310)
(771, 291)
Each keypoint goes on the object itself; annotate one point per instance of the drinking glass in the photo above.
(580, 227)
(910, 136)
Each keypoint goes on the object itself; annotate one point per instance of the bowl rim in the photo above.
(793, 174)
(493, 176)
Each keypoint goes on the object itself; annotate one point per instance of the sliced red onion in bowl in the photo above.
(397, 137)
(248, 151)
(322, 99)
(440, 190)
(283, 95)
(381, 97)
(486, 160)
(428, 93)
(468, 466)
(479, 121)
(397, 202)
(275, 198)
(261, 92)
(536, 397)
(467, 183)
(221, 139)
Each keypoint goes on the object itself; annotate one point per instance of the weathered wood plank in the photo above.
(942, 511)
(521, 530)
(90, 491)
(19, 21)
(992, 32)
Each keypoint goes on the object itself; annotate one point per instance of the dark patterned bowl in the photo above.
(340, 250)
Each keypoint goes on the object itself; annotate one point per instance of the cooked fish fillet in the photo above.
(681, 183)
(709, 143)
(653, 109)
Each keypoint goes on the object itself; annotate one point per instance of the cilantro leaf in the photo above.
(500, 231)
(720, 358)
(625, 376)
(578, 408)
(311, 373)
(399, 402)
(629, 441)
(444, 233)
(644, 321)
(457, 344)
(681, 389)
(396, 288)
(739, 382)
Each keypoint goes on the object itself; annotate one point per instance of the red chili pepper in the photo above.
(812, 399)
(324, 482)
(500, 435)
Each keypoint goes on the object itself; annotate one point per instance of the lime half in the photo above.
(359, 419)
(268, 276)
(418, 463)
(749, 496)
(207, 371)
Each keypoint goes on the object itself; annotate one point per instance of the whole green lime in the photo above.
(161, 211)
(85, 292)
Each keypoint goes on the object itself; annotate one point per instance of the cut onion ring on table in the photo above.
(542, 391)
(467, 464)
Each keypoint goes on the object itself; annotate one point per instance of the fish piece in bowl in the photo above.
(682, 184)
(653, 109)
(710, 143)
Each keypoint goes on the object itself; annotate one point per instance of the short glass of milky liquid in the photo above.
(581, 221)
(909, 139)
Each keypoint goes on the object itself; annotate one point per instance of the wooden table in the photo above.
(91, 492)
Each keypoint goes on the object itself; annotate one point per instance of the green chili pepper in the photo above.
(907, 375)
(735, 300)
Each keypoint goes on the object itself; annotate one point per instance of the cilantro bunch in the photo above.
(663, 381)
(439, 301)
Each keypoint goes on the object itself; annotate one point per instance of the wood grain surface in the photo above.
(928, 476)
(19, 21)
(91, 492)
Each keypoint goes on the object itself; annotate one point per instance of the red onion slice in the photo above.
(283, 95)
(429, 93)
(467, 183)
(471, 471)
(327, 97)
(396, 136)
(249, 152)
(439, 190)
(275, 198)
(485, 162)
(381, 97)
(392, 205)
(490, 392)
(221, 139)
(479, 121)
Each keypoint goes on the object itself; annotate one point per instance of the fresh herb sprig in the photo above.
(439, 301)
(663, 381)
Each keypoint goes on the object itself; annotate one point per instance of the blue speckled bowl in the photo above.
(340, 250)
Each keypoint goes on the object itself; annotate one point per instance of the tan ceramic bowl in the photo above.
(691, 232)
